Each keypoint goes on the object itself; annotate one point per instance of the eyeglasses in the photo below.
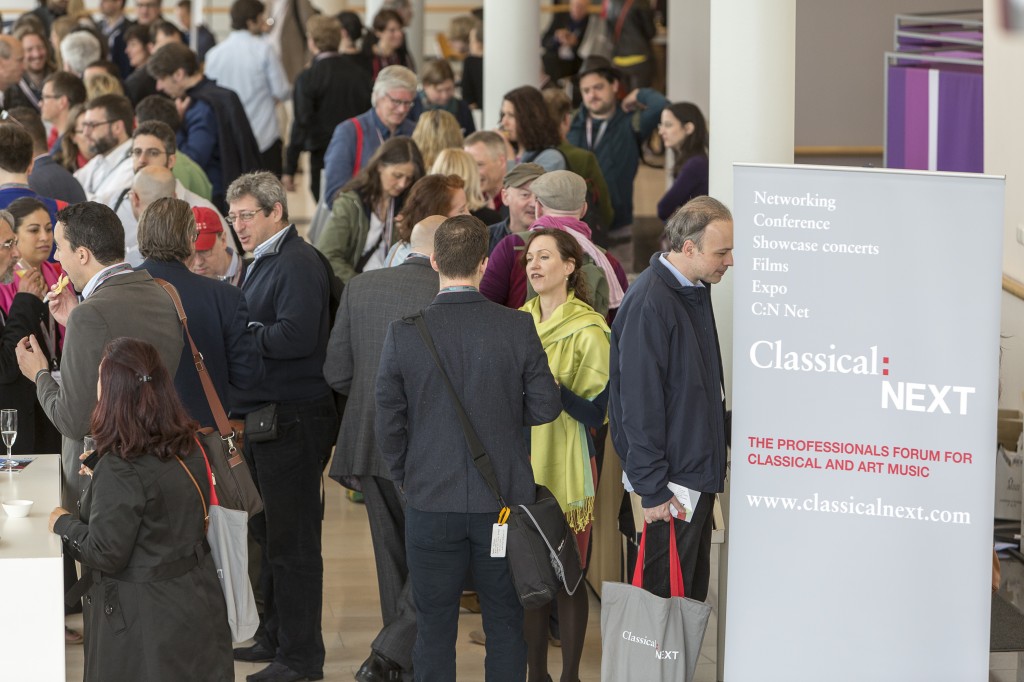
(89, 125)
(9, 244)
(245, 216)
(401, 103)
(138, 153)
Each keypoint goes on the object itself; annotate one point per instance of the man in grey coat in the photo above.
(116, 301)
(371, 302)
(496, 363)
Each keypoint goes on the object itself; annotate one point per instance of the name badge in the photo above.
(499, 538)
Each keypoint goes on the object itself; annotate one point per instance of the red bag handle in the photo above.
(209, 475)
(675, 570)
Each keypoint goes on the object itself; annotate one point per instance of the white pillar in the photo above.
(372, 7)
(753, 72)
(414, 32)
(688, 73)
(511, 52)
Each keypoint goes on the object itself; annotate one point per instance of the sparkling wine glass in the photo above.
(9, 430)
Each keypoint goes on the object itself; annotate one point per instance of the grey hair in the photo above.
(390, 78)
(264, 187)
(78, 50)
(7, 218)
(689, 222)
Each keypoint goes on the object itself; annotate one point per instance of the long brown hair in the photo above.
(696, 143)
(139, 412)
(395, 151)
(568, 249)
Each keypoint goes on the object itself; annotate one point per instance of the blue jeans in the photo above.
(441, 547)
(287, 471)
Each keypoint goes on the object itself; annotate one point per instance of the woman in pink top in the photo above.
(35, 241)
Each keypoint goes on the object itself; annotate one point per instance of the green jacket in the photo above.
(343, 239)
(192, 176)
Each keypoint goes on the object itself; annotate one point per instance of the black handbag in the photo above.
(542, 553)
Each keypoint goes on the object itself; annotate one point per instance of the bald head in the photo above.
(151, 183)
(422, 238)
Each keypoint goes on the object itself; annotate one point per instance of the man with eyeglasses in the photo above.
(107, 124)
(246, 63)
(153, 144)
(61, 91)
(287, 289)
(354, 141)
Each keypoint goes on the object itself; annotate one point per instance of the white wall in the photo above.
(1004, 142)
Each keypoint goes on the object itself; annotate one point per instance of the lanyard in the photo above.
(49, 331)
(93, 182)
(592, 143)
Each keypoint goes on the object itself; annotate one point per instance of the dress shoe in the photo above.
(257, 653)
(377, 668)
(279, 672)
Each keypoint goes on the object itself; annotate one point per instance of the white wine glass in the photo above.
(9, 430)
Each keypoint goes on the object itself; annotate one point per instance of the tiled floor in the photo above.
(351, 615)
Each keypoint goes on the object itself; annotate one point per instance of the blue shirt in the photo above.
(247, 64)
(663, 257)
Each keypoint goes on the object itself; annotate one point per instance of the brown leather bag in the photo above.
(231, 476)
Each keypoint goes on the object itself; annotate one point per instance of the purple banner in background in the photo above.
(915, 154)
(961, 122)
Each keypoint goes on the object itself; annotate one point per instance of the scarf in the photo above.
(581, 232)
(576, 341)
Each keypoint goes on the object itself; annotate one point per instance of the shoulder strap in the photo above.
(206, 512)
(359, 146)
(219, 416)
(622, 19)
(476, 448)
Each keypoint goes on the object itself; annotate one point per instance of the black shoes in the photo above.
(379, 669)
(257, 653)
(279, 672)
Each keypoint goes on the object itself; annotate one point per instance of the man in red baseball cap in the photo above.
(213, 257)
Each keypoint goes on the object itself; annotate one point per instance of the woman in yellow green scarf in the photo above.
(576, 340)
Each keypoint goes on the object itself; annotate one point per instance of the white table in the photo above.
(31, 576)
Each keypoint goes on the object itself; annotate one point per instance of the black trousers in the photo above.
(273, 159)
(288, 473)
(693, 542)
(386, 514)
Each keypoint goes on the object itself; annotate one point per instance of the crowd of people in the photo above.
(127, 159)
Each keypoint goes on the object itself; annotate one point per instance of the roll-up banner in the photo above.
(865, 385)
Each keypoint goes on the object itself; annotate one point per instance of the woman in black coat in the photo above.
(154, 610)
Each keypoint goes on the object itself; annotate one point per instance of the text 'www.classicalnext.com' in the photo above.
(876, 507)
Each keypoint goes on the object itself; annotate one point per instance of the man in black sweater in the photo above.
(287, 291)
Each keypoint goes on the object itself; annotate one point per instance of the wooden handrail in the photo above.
(1013, 286)
(838, 151)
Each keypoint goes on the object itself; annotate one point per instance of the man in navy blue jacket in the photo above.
(287, 289)
(667, 401)
(494, 359)
(217, 312)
